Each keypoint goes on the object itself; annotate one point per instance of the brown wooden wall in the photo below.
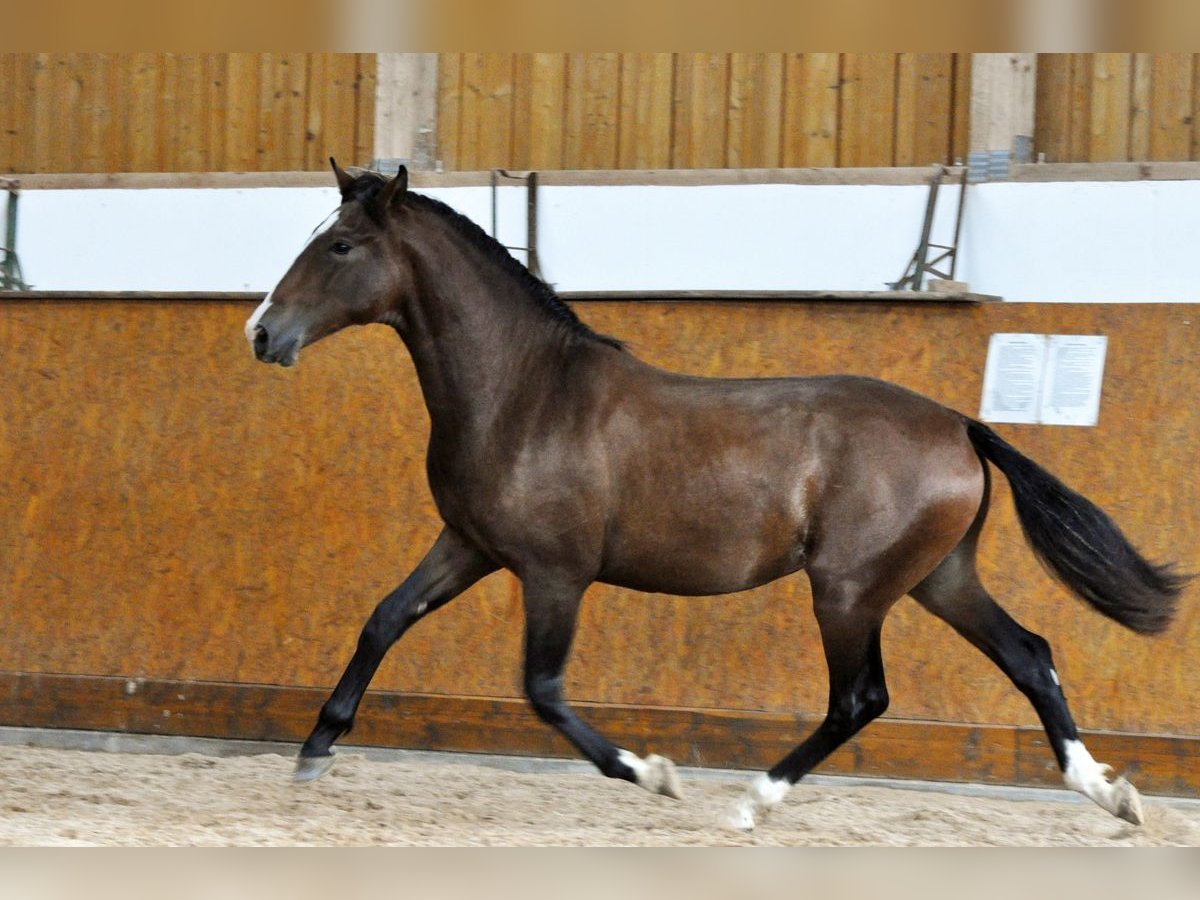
(169, 112)
(701, 110)
(190, 541)
(1118, 107)
(173, 112)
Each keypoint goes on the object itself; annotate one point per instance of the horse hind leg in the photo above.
(850, 626)
(954, 594)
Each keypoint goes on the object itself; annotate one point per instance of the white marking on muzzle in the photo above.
(252, 322)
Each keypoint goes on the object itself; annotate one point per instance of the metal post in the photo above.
(10, 265)
(531, 214)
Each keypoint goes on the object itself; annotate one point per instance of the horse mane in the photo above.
(368, 185)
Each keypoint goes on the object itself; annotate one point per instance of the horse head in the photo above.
(347, 273)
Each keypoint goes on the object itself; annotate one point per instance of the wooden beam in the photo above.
(737, 739)
(1003, 91)
(406, 92)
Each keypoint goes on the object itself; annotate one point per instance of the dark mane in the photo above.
(368, 185)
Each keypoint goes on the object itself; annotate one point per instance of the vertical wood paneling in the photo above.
(592, 111)
(1112, 93)
(700, 111)
(1051, 134)
(647, 89)
(487, 116)
(1080, 105)
(1172, 106)
(755, 110)
(868, 117)
(450, 105)
(244, 101)
(1139, 107)
(960, 127)
(538, 124)
(811, 108)
(924, 109)
(1097, 107)
(98, 112)
(364, 105)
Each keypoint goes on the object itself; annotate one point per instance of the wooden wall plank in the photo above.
(182, 112)
(167, 115)
(1112, 93)
(450, 103)
(540, 114)
(645, 129)
(1141, 85)
(868, 110)
(338, 106)
(320, 104)
(932, 111)
(364, 98)
(1172, 106)
(96, 149)
(755, 110)
(811, 109)
(190, 134)
(592, 110)
(1080, 128)
(960, 139)
(1051, 135)
(8, 123)
(230, 111)
(889, 747)
(700, 115)
(216, 113)
(487, 111)
(241, 134)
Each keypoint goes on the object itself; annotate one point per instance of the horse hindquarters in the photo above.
(857, 575)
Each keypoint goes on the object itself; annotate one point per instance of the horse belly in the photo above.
(727, 541)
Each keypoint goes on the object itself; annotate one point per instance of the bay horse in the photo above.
(556, 454)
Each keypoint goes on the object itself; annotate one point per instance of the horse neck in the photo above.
(481, 347)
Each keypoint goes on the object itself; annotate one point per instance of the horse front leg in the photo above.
(449, 568)
(551, 611)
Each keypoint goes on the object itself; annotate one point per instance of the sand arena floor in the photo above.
(51, 796)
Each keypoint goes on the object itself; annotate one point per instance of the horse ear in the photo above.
(344, 179)
(395, 190)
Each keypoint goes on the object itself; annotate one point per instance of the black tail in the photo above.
(1080, 544)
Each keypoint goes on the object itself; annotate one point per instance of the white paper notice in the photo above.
(1074, 374)
(1012, 378)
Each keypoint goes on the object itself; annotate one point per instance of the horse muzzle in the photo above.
(270, 349)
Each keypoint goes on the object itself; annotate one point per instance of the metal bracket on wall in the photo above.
(531, 214)
(10, 265)
(920, 264)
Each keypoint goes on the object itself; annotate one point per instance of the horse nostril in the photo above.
(261, 340)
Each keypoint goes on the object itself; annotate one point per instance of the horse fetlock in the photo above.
(655, 773)
(763, 795)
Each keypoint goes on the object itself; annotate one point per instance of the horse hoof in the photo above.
(310, 768)
(662, 778)
(1127, 804)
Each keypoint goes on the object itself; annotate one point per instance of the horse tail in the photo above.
(1080, 545)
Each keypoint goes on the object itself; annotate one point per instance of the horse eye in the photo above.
(341, 248)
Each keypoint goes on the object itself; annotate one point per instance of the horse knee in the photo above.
(863, 704)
